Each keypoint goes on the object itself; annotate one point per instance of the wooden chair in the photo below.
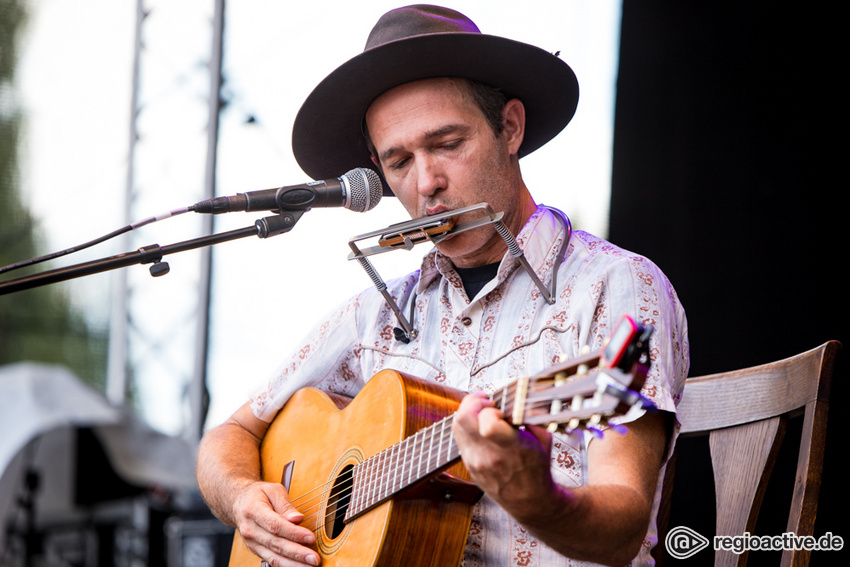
(744, 413)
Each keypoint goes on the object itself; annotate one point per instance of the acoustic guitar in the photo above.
(379, 477)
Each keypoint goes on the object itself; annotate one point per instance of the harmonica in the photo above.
(417, 235)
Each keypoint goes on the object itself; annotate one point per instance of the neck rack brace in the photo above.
(434, 229)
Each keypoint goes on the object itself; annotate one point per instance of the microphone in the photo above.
(359, 190)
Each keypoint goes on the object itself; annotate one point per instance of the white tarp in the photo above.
(40, 407)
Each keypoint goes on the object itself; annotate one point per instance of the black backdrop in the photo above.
(725, 153)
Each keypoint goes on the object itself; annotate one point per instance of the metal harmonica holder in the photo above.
(434, 229)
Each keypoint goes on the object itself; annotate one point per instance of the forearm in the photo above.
(229, 479)
(603, 524)
(603, 521)
(228, 461)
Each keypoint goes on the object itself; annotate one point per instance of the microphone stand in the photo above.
(153, 254)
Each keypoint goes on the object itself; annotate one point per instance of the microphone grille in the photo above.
(365, 189)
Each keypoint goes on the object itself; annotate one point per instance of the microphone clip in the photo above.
(280, 223)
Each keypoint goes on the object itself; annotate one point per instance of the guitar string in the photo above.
(505, 396)
(392, 473)
(400, 465)
(331, 509)
(426, 435)
(345, 489)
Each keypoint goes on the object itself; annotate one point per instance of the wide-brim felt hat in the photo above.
(420, 42)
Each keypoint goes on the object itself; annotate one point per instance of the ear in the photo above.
(513, 120)
(376, 162)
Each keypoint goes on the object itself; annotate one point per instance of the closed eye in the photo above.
(398, 164)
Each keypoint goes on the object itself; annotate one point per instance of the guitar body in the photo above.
(317, 437)
(379, 478)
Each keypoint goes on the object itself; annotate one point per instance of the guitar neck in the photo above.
(433, 448)
(428, 451)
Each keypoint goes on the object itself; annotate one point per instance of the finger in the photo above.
(285, 549)
(493, 427)
(471, 405)
(280, 503)
(269, 527)
(280, 526)
(274, 558)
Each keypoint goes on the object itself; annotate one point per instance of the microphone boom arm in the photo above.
(152, 254)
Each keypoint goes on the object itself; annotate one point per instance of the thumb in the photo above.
(280, 503)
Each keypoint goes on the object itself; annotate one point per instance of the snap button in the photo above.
(466, 321)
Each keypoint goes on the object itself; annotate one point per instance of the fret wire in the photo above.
(394, 465)
(411, 458)
(374, 475)
(419, 472)
(441, 461)
(391, 471)
(434, 435)
(440, 447)
(405, 461)
(399, 466)
(434, 456)
(355, 493)
(367, 483)
(381, 475)
(398, 472)
(382, 482)
(388, 472)
(431, 445)
(420, 435)
(449, 442)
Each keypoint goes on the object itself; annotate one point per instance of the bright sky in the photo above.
(75, 85)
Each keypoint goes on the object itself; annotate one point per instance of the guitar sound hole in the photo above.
(338, 501)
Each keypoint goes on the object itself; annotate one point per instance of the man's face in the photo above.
(438, 153)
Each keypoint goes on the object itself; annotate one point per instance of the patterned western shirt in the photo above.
(507, 330)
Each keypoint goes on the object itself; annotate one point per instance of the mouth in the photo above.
(436, 210)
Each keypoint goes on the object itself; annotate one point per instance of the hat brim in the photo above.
(327, 137)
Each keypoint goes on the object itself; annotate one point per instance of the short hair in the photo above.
(491, 101)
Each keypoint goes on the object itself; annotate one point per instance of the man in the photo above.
(444, 112)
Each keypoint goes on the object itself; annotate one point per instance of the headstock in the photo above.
(587, 391)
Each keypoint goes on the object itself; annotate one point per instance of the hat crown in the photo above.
(420, 19)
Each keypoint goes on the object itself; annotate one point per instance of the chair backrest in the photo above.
(744, 413)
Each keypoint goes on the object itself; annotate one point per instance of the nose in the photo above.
(429, 176)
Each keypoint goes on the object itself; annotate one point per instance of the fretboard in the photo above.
(402, 465)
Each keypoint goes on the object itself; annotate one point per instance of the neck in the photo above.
(516, 214)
